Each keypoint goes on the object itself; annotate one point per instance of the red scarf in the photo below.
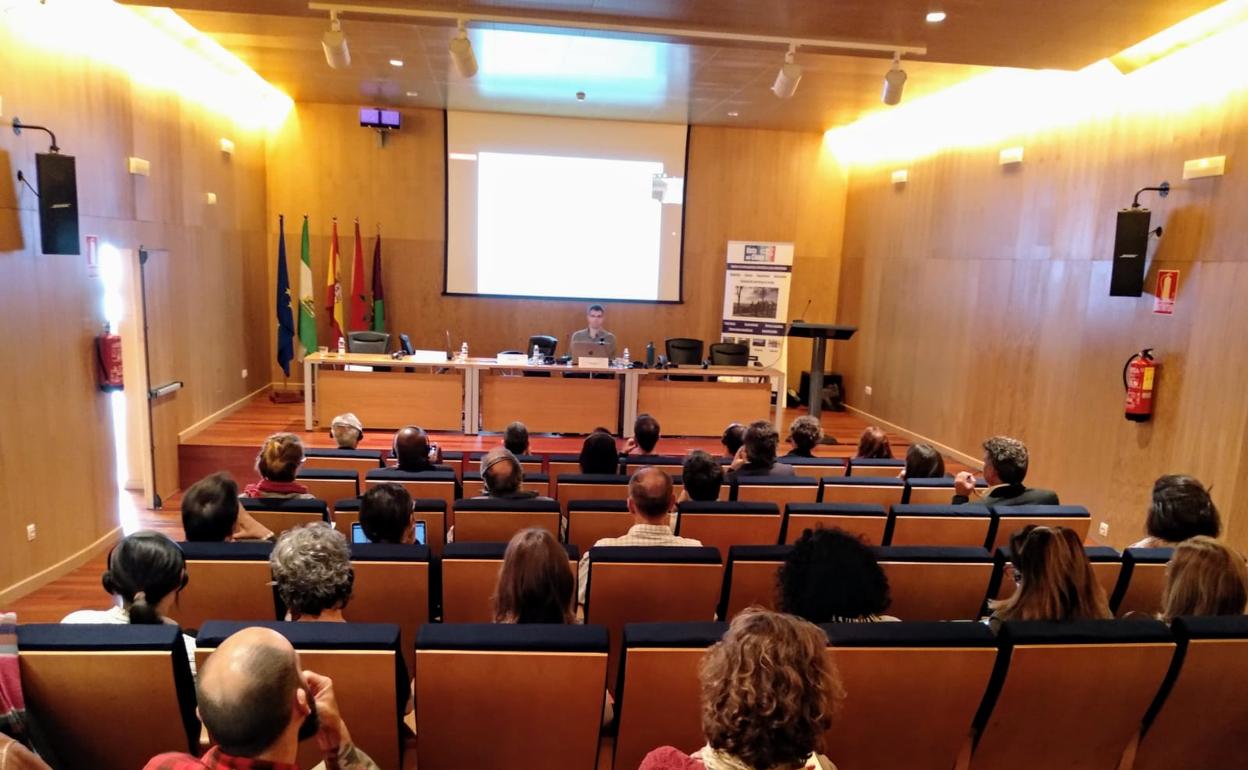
(269, 488)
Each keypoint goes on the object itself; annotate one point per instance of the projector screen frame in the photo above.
(446, 237)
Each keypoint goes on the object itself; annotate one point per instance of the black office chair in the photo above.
(684, 351)
(545, 343)
(367, 342)
(729, 354)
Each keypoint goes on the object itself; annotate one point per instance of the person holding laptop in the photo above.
(594, 340)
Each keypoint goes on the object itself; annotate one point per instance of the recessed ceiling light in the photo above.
(733, 114)
(396, 62)
(935, 17)
(580, 96)
(412, 94)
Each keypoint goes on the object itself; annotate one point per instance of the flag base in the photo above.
(286, 396)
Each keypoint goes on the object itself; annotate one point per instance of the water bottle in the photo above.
(650, 355)
(628, 361)
(536, 358)
(463, 351)
(342, 346)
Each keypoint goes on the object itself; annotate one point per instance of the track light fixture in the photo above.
(461, 53)
(789, 75)
(894, 82)
(337, 55)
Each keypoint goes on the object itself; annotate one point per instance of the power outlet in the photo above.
(867, 390)
(31, 532)
(244, 374)
(1103, 529)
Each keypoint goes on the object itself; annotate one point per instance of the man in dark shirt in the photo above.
(757, 456)
(504, 477)
(387, 516)
(211, 513)
(702, 477)
(415, 454)
(639, 449)
(516, 438)
(1005, 467)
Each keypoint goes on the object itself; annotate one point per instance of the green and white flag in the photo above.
(307, 306)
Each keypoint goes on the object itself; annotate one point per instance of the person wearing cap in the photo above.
(347, 430)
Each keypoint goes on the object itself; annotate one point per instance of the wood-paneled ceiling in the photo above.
(539, 70)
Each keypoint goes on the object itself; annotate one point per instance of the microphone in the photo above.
(448, 343)
(799, 320)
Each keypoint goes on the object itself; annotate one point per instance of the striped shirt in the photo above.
(638, 534)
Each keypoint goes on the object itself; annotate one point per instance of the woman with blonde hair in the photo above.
(873, 445)
(1204, 577)
(769, 691)
(277, 463)
(1054, 577)
(535, 582)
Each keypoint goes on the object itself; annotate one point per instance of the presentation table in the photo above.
(482, 394)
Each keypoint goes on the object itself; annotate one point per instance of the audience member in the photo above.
(346, 430)
(873, 445)
(702, 477)
(1054, 579)
(831, 576)
(645, 437)
(257, 704)
(1181, 509)
(1005, 467)
(503, 477)
(757, 456)
(769, 691)
(650, 501)
(599, 455)
(211, 513)
(1204, 577)
(535, 583)
(278, 462)
(387, 515)
(516, 438)
(145, 573)
(414, 453)
(923, 462)
(312, 573)
(733, 438)
(804, 434)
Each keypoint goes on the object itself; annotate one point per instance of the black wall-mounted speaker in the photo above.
(1130, 253)
(58, 203)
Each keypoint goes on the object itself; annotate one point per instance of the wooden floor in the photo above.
(231, 444)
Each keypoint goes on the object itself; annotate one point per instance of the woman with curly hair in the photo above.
(769, 690)
(312, 571)
(277, 463)
(831, 576)
(804, 434)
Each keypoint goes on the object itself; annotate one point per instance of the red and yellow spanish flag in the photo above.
(333, 290)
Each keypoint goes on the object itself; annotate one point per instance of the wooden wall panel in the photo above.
(56, 442)
(742, 184)
(982, 297)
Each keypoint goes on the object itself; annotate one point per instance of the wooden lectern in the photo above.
(820, 334)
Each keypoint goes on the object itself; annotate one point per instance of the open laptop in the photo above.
(593, 348)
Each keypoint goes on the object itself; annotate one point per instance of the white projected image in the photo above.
(551, 226)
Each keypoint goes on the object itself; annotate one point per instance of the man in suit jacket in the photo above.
(1005, 467)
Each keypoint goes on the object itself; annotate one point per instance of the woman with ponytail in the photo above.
(278, 462)
(146, 572)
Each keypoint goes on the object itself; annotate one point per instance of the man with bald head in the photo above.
(258, 706)
(414, 453)
(650, 501)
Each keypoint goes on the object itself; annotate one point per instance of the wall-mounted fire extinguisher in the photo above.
(1139, 377)
(108, 361)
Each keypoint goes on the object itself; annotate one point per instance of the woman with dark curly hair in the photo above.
(312, 572)
(769, 691)
(831, 576)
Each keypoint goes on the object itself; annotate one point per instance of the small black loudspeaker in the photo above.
(58, 203)
(1130, 253)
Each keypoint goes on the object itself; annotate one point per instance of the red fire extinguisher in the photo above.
(108, 361)
(1138, 377)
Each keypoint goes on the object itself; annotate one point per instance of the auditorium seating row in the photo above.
(885, 491)
(919, 696)
(555, 463)
(719, 524)
(627, 584)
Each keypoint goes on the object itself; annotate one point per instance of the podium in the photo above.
(820, 334)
